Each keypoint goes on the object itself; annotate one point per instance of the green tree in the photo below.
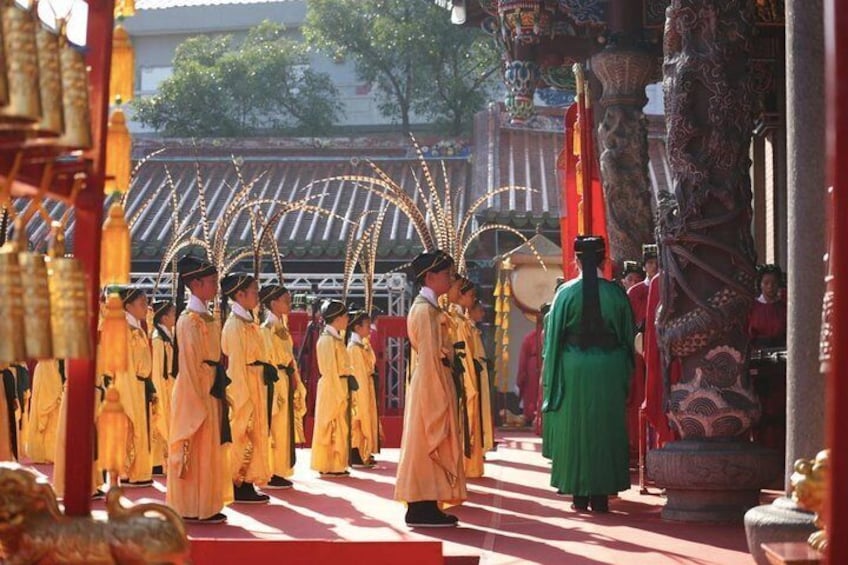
(408, 49)
(228, 89)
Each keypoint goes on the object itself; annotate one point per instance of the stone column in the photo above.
(805, 386)
(707, 258)
(624, 71)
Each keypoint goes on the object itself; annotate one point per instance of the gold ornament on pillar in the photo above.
(115, 248)
(114, 336)
(112, 428)
(118, 152)
(122, 73)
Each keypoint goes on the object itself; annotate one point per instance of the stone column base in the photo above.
(712, 481)
(780, 521)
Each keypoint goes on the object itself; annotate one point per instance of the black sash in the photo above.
(352, 386)
(219, 391)
(149, 393)
(269, 377)
(478, 369)
(376, 376)
(9, 386)
(22, 385)
(458, 370)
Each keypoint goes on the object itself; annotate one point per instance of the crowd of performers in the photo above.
(219, 408)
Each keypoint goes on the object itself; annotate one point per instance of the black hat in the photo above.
(192, 268)
(632, 267)
(649, 251)
(467, 285)
(235, 282)
(585, 244)
(129, 293)
(356, 315)
(435, 262)
(269, 293)
(332, 309)
(160, 307)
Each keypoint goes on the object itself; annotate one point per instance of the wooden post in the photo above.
(89, 217)
(836, 78)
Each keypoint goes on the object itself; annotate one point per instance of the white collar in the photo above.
(133, 321)
(356, 338)
(332, 331)
(241, 312)
(197, 305)
(762, 300)
(429, 295)
(271, 319)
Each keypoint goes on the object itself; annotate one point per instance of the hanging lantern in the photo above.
(118, 152)
(122, 74)
(114, 336)
(112, 429)
(115, 248)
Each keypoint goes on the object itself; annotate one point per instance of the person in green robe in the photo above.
(588, 357)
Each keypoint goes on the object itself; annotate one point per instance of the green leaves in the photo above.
(262, 85)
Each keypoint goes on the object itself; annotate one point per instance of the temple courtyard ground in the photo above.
(512, 516)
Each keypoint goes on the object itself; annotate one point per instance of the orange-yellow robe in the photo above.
(463, 331)
(331, 433)
(61, 449)
(163, 380)
(199, 479)
(284, 414)
(479, 352)
(366, 423)
(45, 403)
(131, 387)
(242, 343)
(431, 458)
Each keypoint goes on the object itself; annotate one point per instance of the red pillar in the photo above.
(89, 217)
(836, 76)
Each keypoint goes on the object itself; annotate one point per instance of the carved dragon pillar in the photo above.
(707, 259)
(624, 71)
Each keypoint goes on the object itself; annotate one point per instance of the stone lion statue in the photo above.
(34, 530)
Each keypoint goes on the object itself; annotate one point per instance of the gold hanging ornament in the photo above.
(122, 73)
(112, 428)
(118, 152)
(114, 336)
(115, 248)
(124, 8)
(69, 306)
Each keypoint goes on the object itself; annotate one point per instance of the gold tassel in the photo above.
(112, 429)
(498, 290)
(114, 336)
(118, 153)
(507, 289)
(115, 248)
(122, 73)
(124, 8)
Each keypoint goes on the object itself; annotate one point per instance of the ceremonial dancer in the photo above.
(48, 385)
(365, 432)
(163, 375)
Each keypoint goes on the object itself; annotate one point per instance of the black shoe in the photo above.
(246, 494)
(278, 483)
(98, 495)
(355, 457)
(158, 471)
(599, 503)
(580, 503)
(336, 475)
(137, 484)
(218, 518)
(426, 514)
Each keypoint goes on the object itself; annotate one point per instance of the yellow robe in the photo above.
(45, 406)
(139, 463)
(199, 479)
(330, 435)
(280, 350)
(463, 331)
(61, 438)
(162, 366)
(430, 465)
(366, 423)
(485, 391)
(242, 343)
(6, 453)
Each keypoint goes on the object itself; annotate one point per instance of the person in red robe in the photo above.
(767, 320)
(653, 404)
(632, 274)
(529, 371)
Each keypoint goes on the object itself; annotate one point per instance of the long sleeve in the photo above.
(188, 408)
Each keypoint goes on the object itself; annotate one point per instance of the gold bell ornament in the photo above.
(52, 122)
(115, 248)
(22, 103)
(114, 335)
(112, 429)
(69, 308)
(75, 108)
(12, 345)
(122, 72)
(35, 299)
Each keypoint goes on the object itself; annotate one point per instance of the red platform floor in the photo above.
(512, 516)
